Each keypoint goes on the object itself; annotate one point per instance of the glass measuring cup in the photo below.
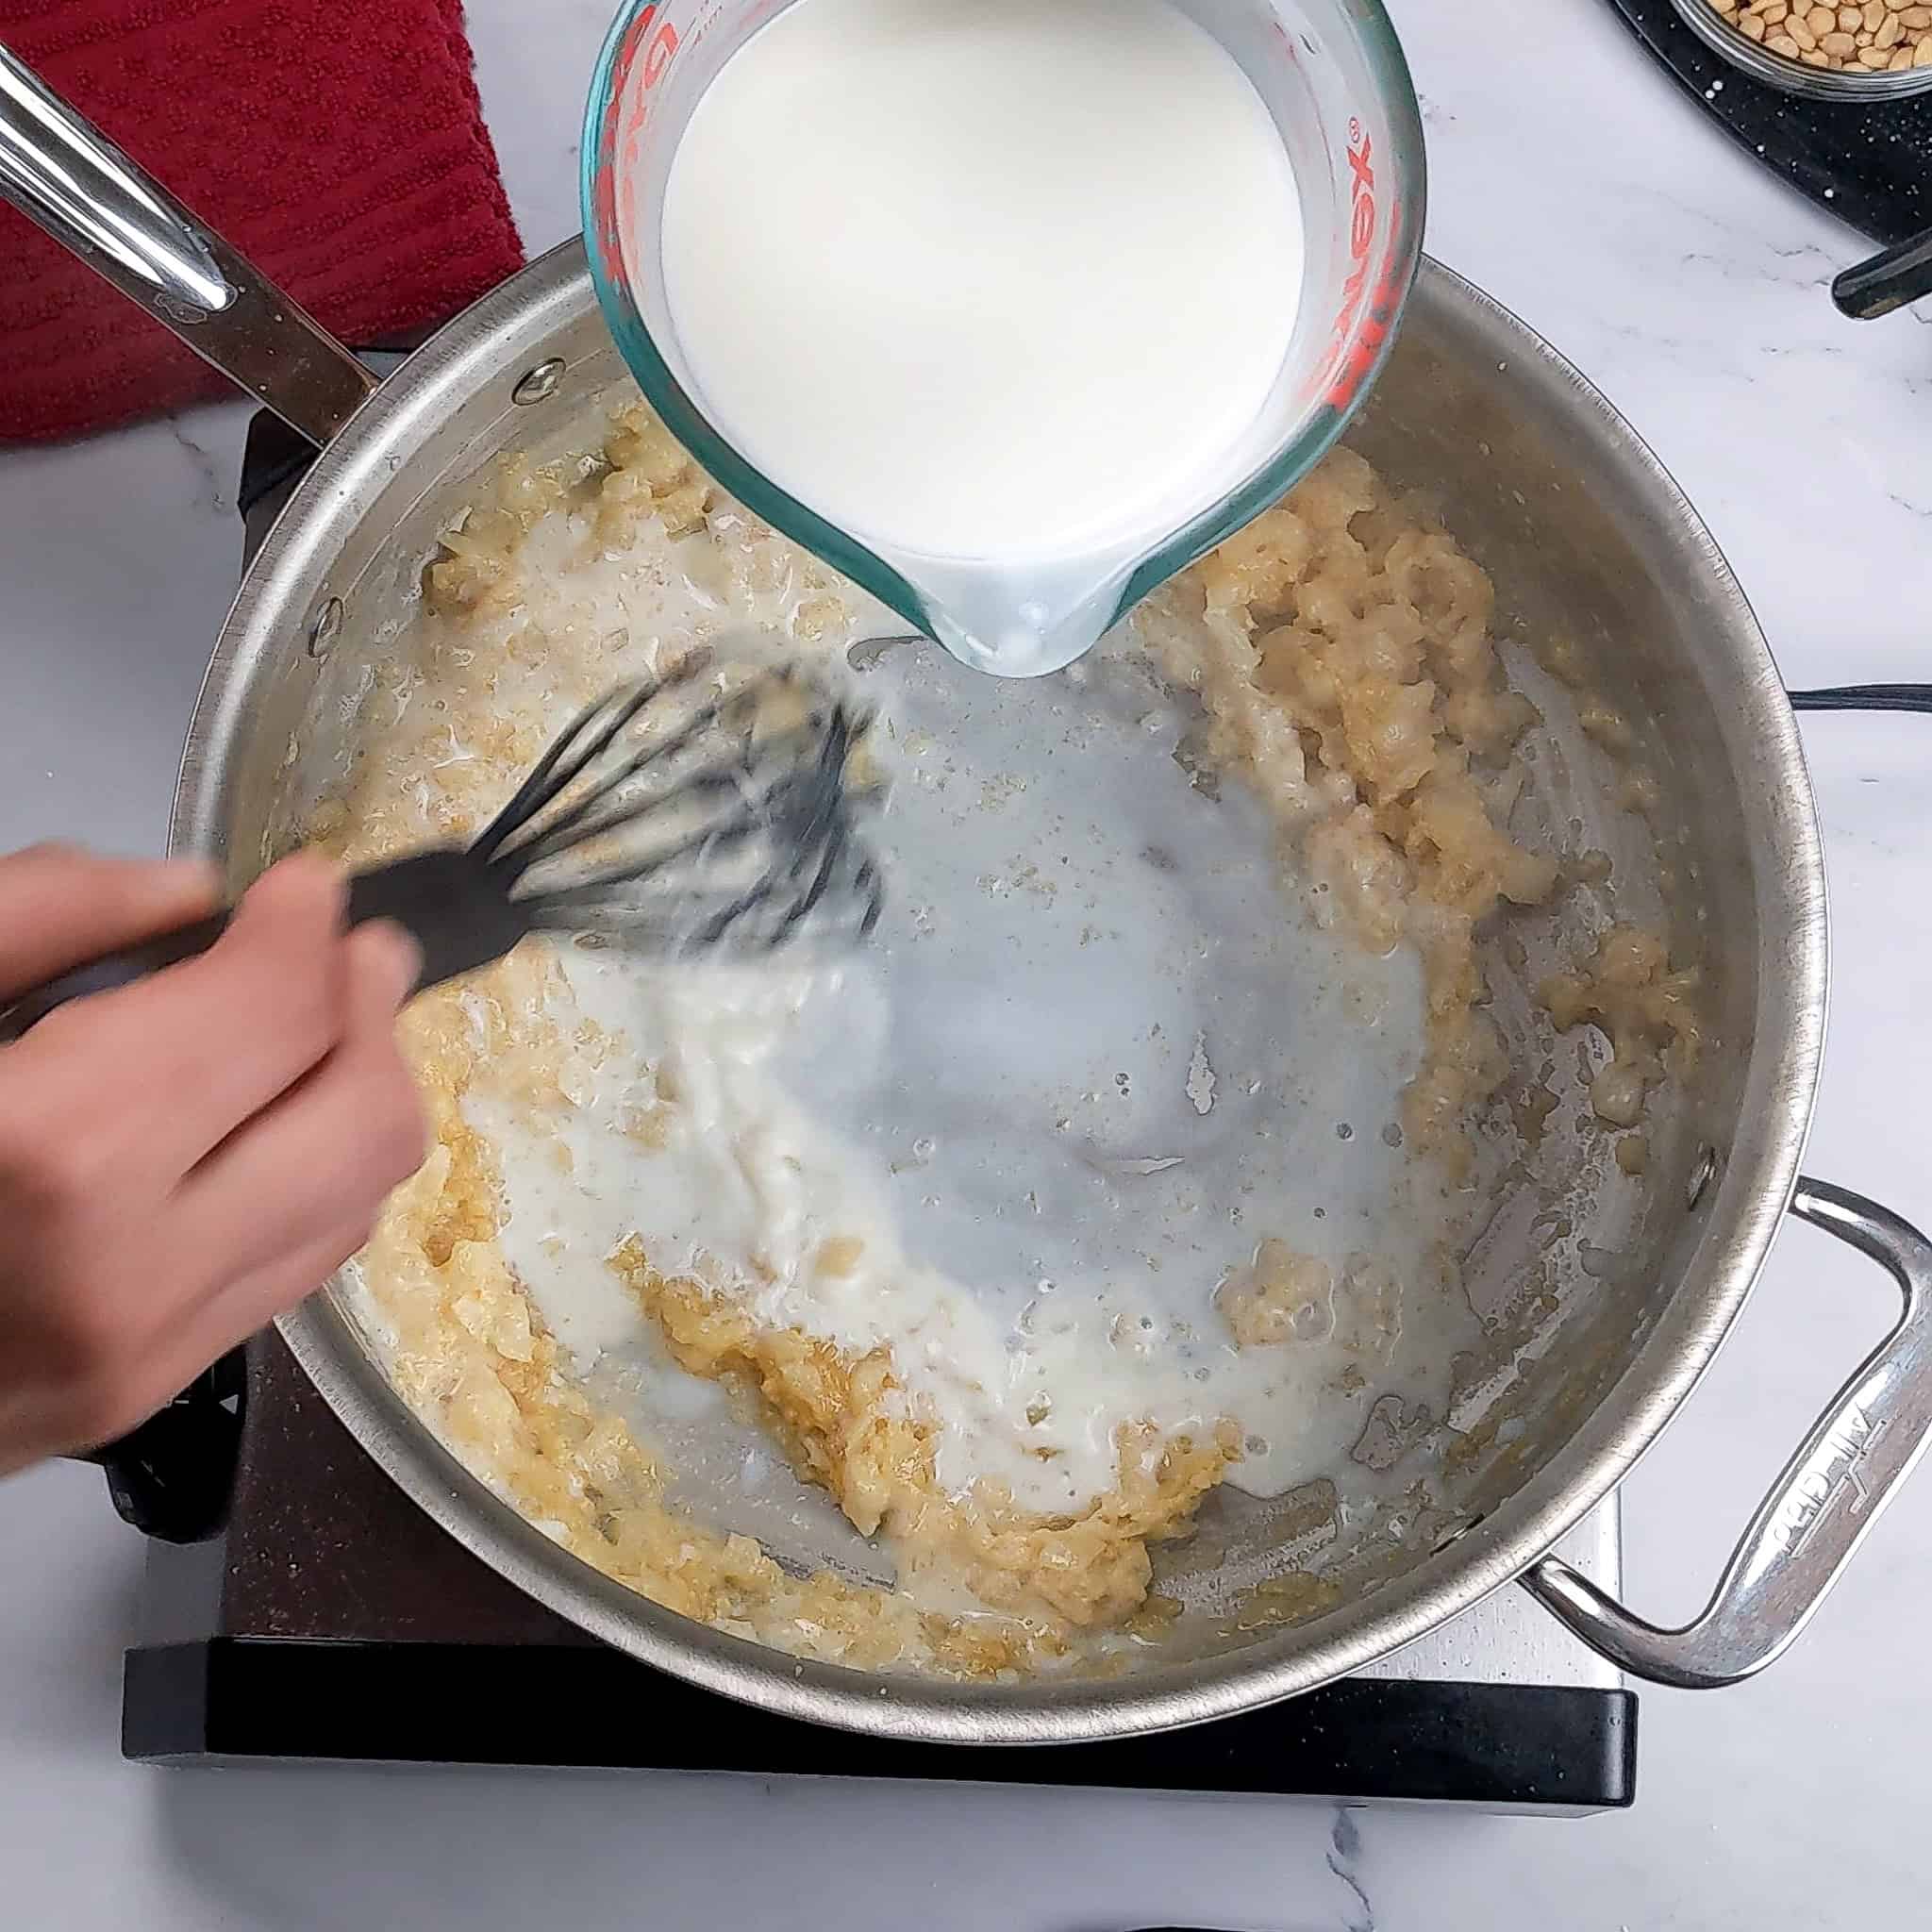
(1332, 77)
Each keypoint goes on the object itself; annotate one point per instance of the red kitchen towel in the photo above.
(338, 144)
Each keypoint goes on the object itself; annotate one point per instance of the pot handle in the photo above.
(1818, 1512)
(68, 179)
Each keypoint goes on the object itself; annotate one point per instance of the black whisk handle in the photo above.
(111, 970)
(447, 900)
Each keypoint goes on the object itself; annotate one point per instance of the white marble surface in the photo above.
(1576, 185)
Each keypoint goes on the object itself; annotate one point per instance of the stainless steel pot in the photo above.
(1584, 534)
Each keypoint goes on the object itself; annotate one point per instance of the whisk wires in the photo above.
(686, 818)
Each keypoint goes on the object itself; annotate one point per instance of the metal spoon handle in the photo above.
(1887, 280)
(65, 177)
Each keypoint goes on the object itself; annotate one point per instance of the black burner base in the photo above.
(1535, 1748)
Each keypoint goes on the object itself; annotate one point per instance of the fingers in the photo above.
(245, 1307)
(184, 1158)
(122, 1291)
(220, 1036)
(330, 1148)
(129, 1386)
(60, 907)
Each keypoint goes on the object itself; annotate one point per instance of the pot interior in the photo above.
(1601, 1292)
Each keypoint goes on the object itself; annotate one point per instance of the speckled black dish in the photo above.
(1869, 162)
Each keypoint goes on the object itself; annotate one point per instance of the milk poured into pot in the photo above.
(1163, 1019)
(1004, 292)
(1081, 1072)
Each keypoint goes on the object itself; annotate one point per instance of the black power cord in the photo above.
(1865, 698)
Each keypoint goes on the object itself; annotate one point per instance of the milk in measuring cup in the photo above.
(1004, 290)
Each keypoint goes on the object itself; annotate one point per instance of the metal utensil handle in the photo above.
(65, 177)
(1887, 280)
(1820, 1508)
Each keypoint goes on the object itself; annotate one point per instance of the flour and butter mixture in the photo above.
(1131, 1159)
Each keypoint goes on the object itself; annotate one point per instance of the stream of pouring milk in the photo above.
(1004, 291)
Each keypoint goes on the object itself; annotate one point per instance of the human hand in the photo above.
(184, 1158)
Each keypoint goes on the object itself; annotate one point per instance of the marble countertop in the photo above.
(1575, 184)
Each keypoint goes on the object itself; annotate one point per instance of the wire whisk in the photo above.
(679, 814)
(726, 819)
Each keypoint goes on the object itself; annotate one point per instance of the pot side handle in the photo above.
(1820, 1508)
(68, 179)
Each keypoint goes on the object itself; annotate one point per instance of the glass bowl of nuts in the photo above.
(1849, 50)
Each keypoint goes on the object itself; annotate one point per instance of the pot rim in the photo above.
(1751, 1193)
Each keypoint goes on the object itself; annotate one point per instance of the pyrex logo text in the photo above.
(1353, 358)
(663, 44)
